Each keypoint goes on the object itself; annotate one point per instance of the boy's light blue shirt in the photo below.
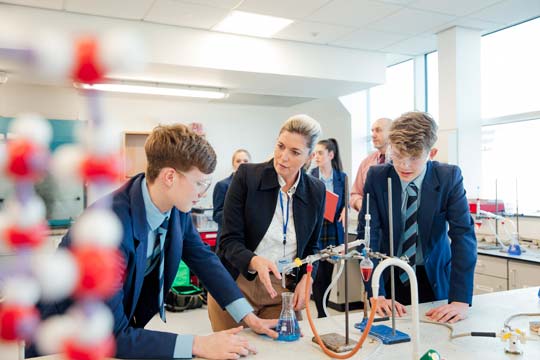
(238, 309)
(418, 182)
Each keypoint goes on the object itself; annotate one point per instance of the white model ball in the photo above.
(123, 50)
(57, 274)
(54, 54)
(96, 325)
(26, 215)
(53, 332)
(32, 127)
(98, 227)
(21, 290)
(66, 163)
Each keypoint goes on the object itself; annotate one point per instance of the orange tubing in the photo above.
(319, 341)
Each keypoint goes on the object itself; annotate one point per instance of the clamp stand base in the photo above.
(336, 342)
(384, 333)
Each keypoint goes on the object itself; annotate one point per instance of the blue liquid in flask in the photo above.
(288, 327)
(288, 330)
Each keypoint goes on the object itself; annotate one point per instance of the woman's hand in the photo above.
(299, 298)
(264, 267)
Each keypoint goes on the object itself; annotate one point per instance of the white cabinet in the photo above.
(494, 274)
(522, 275)
(484, 284)
(490, 275)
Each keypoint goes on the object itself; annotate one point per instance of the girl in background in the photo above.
(330, 171)
(239, 157)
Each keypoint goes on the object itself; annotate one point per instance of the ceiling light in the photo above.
(156, 89)
(240, 22)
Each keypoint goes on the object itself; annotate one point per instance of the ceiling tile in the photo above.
(296, 9)
(183, 14)
(352, 12)
(397, 2)
(410, 21)
(369, 40)
(312, 32)
(454, 7)
(510, 12)
(46, 4)
(224, 4)
(414, 46)
(119, 9)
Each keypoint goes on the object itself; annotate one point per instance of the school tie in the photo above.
(381, 159)
(411, 229)
(160, 239)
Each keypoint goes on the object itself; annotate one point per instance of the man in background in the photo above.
(379, 137)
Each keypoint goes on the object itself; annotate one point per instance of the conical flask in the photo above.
(366, 268)
(288, 328)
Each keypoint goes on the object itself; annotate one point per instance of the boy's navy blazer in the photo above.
(445, 226)
(182, 242)
(249, 208)
(338, 180)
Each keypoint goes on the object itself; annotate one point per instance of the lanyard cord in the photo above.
(285, 219)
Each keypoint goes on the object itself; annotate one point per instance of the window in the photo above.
(511, 113)
(394, 97)
(510, 71)
(510, 158)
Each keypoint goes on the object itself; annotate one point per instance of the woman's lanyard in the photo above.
(285, 219)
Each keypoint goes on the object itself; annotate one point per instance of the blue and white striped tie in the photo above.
(411, 229)
(160, 240)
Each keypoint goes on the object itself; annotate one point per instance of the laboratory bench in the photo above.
(495, 271)
(488, 314)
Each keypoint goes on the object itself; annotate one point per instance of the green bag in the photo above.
(182, 276)
(183, 295)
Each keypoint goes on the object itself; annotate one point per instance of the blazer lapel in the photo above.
(426, 212)
(339, 184)
(268, 191)
(140, 233)
(173, 247)
(300, 210)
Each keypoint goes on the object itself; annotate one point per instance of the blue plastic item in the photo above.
(384, 333)
(514, 249)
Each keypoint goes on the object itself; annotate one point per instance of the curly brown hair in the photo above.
(178, 147)
(413, 133)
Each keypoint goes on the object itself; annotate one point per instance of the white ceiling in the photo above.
(401, 28)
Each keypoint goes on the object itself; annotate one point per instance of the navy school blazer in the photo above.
(182, 242)
(249, 208)
(445, 227)
(339, 189)
(218, 201)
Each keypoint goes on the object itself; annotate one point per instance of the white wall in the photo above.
(228, 127)
(335, 121)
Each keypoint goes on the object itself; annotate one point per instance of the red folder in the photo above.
(331, 205)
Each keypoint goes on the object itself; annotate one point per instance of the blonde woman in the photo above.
(273, 214)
